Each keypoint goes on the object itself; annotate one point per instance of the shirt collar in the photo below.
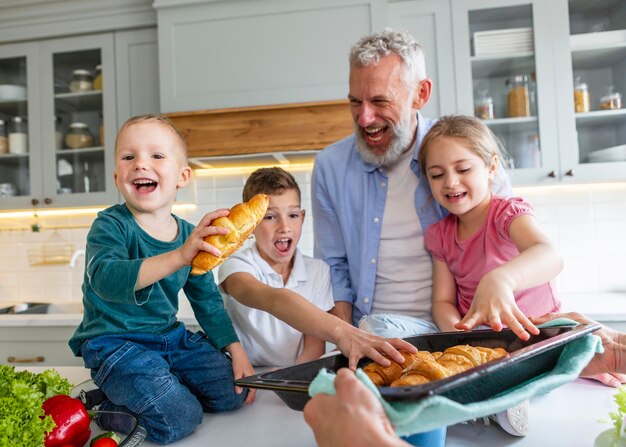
(298, 272)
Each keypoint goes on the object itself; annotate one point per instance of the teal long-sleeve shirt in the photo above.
(116, 247)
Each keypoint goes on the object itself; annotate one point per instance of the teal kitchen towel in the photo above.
(438, 411)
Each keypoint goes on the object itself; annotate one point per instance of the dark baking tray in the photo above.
(526, 360)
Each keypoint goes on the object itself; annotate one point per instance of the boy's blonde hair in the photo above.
(269, 181)
(478, 137)
(159, 119)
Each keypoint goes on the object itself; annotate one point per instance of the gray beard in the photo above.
(399, 144)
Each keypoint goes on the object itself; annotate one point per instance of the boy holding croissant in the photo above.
(137, 260)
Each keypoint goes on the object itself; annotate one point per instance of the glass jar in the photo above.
(484, 106)
(82, 81)
(4, 142)
(58, 133)
(612, 100)
(78, 136)
(97, 79)
(581, 96)
(18, 135)
(518, 99)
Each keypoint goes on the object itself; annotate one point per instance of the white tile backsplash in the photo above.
(586, 223)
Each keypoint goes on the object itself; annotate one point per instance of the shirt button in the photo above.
(383, 184)
(376, 220)
(366, 300)
(373, 260)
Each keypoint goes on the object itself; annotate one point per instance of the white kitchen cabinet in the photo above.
(431, 25)
(215, 55)
(37, 346)
(136, 73)
(48, 170)
(550, 143)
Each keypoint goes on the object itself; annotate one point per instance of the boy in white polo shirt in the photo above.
(274, 260)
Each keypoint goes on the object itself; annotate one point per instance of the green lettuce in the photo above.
(22, 393)
(618, 416)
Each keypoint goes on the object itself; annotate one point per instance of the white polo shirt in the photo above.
(267, 340)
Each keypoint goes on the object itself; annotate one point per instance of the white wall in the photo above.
(586, 222)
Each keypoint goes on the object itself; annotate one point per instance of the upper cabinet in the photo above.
(520, 65)
(216, 55)
(61, 122)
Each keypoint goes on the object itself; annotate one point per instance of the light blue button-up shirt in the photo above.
(348, 197)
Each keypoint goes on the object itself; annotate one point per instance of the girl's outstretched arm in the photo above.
(445, 311)
(537, 263)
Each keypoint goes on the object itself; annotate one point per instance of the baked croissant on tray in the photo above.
(423, 367)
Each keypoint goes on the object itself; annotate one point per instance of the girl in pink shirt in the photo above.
(491, 262)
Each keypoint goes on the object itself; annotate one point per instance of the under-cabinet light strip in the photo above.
(247, 169)
(65, 212)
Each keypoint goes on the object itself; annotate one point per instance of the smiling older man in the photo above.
(370, 206)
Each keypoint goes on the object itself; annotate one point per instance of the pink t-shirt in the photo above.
(469, 260)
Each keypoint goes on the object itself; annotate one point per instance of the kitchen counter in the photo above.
(567, 416)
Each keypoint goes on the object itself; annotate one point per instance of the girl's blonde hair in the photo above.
(160, 119)
(479, 138)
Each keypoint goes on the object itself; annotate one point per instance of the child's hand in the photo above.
(355, 344)
(241, 368)
(494, 304)
(195, 241)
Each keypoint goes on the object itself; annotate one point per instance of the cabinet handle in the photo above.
(47, 201)
(552, 174)
(570, 173)
(35, 202)
(38, 359)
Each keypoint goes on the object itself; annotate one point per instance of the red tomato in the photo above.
(104, 442)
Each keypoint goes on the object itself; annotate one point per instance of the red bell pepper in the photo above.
(72, 421)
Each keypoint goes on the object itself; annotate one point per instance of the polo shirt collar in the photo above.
(298, 272)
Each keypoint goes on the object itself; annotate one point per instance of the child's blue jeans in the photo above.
(166, 380)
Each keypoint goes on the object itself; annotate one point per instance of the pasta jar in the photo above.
(82, 81)
(518, 98)
(97, 79)
(4, 142)
(581, 97)
(78, 136)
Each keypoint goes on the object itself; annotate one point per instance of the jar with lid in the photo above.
(82, 81)
(79, 136)
(612, 100)
(518, 99)
(581, 96)
(97, 78)
(18, 135)
(484, 106)
(4, 142)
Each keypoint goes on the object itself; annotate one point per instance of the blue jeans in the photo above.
(166, 380)
(396, 325)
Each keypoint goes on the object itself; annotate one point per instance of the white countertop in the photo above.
(600, 306)
(568, 416)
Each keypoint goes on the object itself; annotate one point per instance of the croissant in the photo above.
(241, 221)
(453, 360)
(384, 375)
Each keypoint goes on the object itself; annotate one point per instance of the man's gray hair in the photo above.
(371, 48)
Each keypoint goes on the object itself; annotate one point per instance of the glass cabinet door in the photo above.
(78, 120)
(598, 58)
(17, 71)
(505, 78)
(78, 114)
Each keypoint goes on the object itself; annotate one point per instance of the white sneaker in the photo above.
(514, 420)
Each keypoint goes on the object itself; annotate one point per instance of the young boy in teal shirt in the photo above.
(137, 260)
